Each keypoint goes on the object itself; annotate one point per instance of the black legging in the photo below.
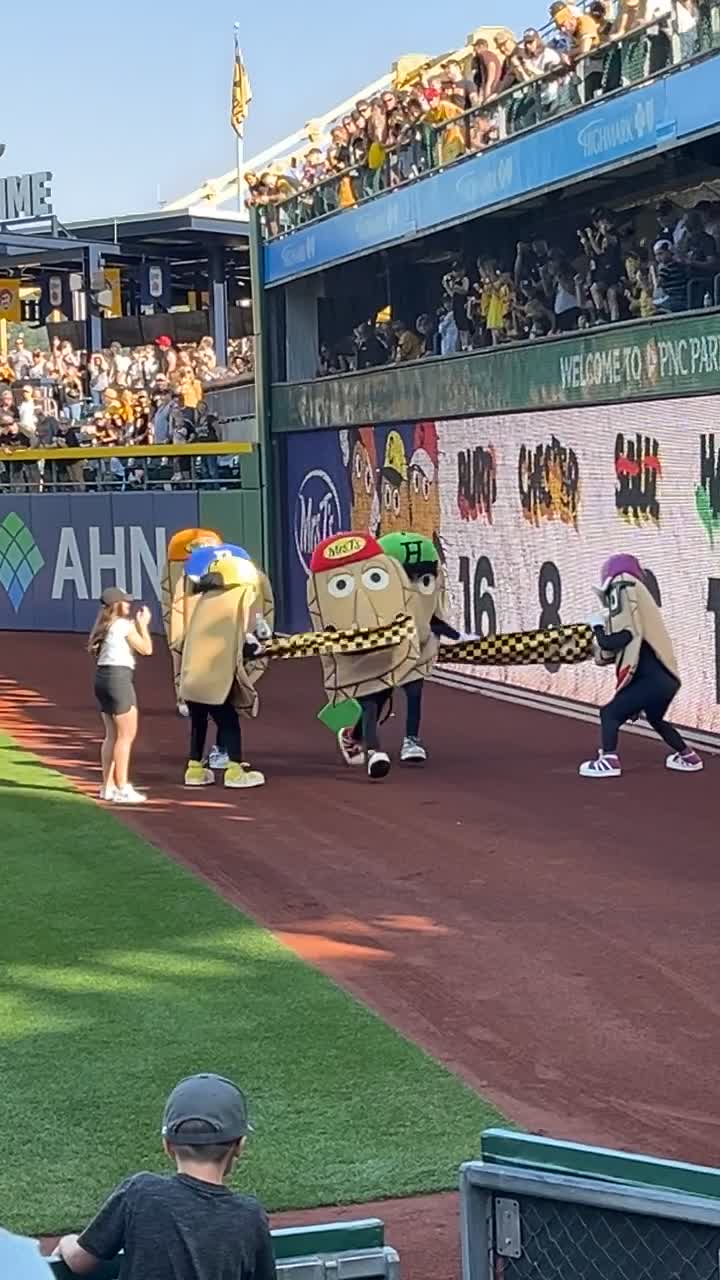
(374, 703)
(651, 691)
(226, 718)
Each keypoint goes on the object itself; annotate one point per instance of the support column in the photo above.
(93, 319)
(218, 302)
(271, 536)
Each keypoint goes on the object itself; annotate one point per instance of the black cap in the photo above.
(115, 595)
(215, 1101)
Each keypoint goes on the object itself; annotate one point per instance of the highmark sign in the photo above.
(671, 357)
(26, 196)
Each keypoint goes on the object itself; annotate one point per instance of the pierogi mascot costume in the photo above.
(354, 584)
(263, 609)
(419, 559)
(175, 605)
(631, 633)
(219, 646)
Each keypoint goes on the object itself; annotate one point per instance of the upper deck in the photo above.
(546, 138)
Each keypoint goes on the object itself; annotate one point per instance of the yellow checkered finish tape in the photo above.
(321, 644)
(564, 645)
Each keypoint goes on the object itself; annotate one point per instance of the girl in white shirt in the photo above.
(114, 641)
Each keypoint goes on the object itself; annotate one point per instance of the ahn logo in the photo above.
(20, 558)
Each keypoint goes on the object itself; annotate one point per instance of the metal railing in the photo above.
(89, 469)
(525, 1225)
(633, 59)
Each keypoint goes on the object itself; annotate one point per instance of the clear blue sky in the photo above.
(121, 100)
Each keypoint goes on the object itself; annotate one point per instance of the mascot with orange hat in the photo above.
(176, 605)
(221, 662)
(354, 584)
(631, 634)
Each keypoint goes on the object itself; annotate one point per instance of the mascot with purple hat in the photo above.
(631, 634)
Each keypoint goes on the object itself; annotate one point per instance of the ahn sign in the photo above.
(58, 553)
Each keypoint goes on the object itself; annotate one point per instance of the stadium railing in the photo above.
(119, 467)
(613, 67)
(336, 1251)
(532, 1207)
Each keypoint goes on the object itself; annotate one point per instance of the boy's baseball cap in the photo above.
(214, 1100)
(115, 595)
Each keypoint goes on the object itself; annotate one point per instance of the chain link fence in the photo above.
(572, 1229)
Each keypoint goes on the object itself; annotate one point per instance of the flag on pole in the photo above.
(241, 92)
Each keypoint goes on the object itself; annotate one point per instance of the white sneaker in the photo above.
(218, 759)
(182, 708)
(685, 762)
(107, 793)
(602, 767)
(128, 795)
(378, 765)
(412, 751)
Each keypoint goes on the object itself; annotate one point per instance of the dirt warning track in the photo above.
(552, 939)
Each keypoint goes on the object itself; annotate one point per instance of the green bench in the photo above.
(336, 1249)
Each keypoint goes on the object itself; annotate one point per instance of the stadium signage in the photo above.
(26, 196)
(654, 358)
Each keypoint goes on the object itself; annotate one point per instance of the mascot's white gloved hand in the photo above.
(253, 644)
(261, 628)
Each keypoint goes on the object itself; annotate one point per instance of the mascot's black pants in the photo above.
(226, 718)
(651, 691)
(366, 729)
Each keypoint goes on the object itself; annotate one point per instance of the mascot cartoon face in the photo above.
(352, 584)
(421, 563)
(361, 461)
(394, 494)
(631, 607)
(423, 487)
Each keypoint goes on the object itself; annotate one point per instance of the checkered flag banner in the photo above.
(564, 645)
(320, 644)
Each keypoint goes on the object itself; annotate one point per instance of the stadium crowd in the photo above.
(612, 273)
(467, 103)
(147, 395)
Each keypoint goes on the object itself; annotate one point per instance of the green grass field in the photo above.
(120, 973)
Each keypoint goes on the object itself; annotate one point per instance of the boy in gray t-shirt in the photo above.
(188, 1226)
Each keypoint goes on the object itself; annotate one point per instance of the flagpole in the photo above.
(239, 139)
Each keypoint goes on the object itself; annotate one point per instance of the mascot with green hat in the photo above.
(420, 563)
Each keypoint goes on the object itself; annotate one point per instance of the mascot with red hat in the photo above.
(631, 633)
(354, 585)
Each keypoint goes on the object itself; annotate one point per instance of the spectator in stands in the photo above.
(710, 215)
(408, 345)
(27, 412)
(456, 285)
(20, 359)
(370, 351)
(538, 59)
(602, 246)
(99, 379)
(486, 69)
(670, 278)
(119, 364)
(581, 28)
(696, 245)
(189, 1224)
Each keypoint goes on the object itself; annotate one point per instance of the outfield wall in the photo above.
(525, 508)
(59, 551)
